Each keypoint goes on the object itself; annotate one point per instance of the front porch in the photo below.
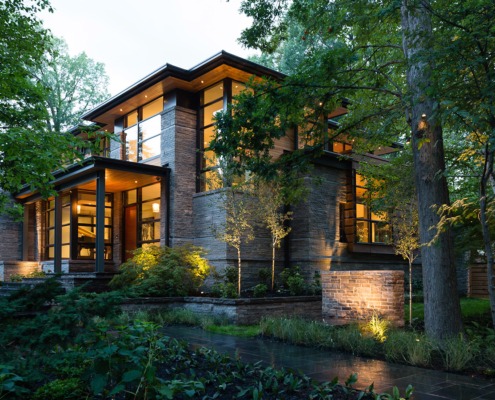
(104, 209)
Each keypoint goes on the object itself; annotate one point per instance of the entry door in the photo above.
(130, 231)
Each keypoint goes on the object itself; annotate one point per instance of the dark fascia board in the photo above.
(169, 70)
(96, 163)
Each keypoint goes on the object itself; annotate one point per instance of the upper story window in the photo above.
(213, 99)
(142, 128)
(370, 227)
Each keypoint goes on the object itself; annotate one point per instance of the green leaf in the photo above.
(132, 375)
(98, 383)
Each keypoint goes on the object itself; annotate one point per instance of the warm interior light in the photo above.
(79, 209)
(156, 208)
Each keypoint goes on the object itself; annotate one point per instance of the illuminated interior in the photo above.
(370, 227)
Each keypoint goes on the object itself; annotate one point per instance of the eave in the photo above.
(119, 176)
(170, 77)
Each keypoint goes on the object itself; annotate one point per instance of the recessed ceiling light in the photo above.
(121, 109)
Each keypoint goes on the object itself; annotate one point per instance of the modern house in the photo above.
(149, 188)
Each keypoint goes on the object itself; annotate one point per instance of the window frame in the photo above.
(372, 224)
(139, 137)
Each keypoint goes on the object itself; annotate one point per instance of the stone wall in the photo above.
(11, 239)
(9, 268)
(209, 215)
(349, 296)
(315, 240)
(237, 311)
(179, 154)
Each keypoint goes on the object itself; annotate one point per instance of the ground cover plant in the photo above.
(473, 353)
(83, 347)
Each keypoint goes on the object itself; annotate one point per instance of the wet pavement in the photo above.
(324, 365)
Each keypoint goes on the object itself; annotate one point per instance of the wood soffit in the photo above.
(221, 66)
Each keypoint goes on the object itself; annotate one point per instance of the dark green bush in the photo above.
(260, 290)
(163, 271)
(226, 290)
(60, 389)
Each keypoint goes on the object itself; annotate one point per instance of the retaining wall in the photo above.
(237, 311)
(350, 296)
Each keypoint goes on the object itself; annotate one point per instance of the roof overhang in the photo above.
(119, 176)
(169, 77)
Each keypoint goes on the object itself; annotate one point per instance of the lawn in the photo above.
(472, 309)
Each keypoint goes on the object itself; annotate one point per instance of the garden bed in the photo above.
(242, 311)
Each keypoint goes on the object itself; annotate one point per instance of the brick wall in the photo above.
(8, 268)
(349, 296)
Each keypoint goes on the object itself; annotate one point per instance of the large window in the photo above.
(142, 128)
(50, 226)
(370, 227)
(81, 219)
(213, 99)
(146, 201)
(86, 226)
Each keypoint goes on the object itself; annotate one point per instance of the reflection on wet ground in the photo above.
(324, 365)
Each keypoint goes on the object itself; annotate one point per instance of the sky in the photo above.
(135, 37)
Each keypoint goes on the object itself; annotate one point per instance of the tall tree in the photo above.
(75, 84)
(29, 153)
(439, 284)
(377, 56)
(465, 76)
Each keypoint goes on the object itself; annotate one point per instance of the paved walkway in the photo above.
(324, 365)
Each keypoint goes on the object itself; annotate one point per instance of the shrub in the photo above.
(60, 389)
(264, 276)
(226, 290)
(163, 271)
(293, 281)
(226, 284)
(260, 290)
(16, 277)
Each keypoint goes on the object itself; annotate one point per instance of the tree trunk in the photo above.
(273, 265)
(239, 271)
(485, 179)
(410, 291)
(441, 300)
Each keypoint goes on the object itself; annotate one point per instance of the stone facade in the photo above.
(349, 296)
(11, 239)
(179, 154)
(9, 268)
(209, 217)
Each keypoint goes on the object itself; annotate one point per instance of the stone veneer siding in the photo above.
(349, 296)
(209, 214)
(237, 311)
(9, 268)
(179, 154)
